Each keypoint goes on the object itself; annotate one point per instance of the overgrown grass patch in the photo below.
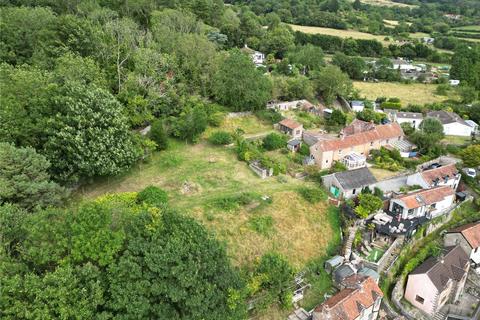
(312, 195)
(263, 225)
(233, 202)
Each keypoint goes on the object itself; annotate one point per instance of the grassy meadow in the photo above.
(387, 3)
(202, 180)
(339, 33)
(414, 93)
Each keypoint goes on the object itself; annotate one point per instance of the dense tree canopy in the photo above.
(113, 258)
(239, 85)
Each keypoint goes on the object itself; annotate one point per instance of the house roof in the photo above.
(294, 142)
(471, 123)
(409, 115)
(437, 174)
(449, 265)
(446, 117)
(425, 197)
(358, 178)
(289, 123)
(361, 293)
(471, 233)
(357, 103)
(357, 126)
(380, 132)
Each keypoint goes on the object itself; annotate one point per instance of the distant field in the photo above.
(339, 33)
(393, 23)
(386, 3)
(469, 28)
(415, 93)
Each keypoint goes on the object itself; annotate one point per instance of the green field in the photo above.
(414, 93)
(339, 33)
(197, 177)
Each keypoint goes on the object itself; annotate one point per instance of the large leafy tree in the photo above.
(471, 156)
(24, 178)
(89, 135)
(278, 40)
(429, 135)
(331, 82)
(115, 257)
(239, 85)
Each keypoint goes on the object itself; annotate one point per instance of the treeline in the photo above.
(368, 48)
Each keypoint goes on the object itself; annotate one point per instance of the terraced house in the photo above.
(358, 139)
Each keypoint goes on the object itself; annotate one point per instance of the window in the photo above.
(388, 141)
(371, 143)
(419, 299)
(410, 212)
(326, 161)
(340, 151)
(433, 206)
(354, 190)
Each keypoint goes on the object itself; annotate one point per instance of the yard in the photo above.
(202, 179)
(414, 93)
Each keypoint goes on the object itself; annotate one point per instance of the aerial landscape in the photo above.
(240, 159)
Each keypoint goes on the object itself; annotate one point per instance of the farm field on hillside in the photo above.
(387, 3)
(201, 178)
(339, 33)
(415, 93)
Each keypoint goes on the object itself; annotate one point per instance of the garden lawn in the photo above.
(195, 176)
(456, 140)
(414, 93)
(375, 255)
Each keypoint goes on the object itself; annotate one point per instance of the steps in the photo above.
(440, 315)
(347, 249)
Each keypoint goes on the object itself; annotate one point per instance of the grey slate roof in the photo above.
(450, 265)
(357, 178)
(446, 117)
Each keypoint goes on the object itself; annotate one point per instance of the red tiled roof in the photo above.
(426, 197)
(361, 293)
(439, 173)
(471, 232)
(381, 132)
(289, 123)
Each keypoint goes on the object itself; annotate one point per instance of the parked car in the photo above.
(470, 172)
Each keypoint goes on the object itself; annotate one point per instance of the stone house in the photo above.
(359, 300)
(360, 142)
(438, 280)
(467, 237)
(291, 127)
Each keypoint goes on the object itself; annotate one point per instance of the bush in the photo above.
(262, 224)
(367, 204)
(153, 196)
(274, 141)
(269, 115)
(337, 167)
(312, 195)
(391, 105)
(159, 135)
(220, 138)
(231, 203)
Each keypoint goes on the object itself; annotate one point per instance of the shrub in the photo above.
(337, 167)
(153, 196)
(262, 224)
(233, 202)
(220, 138)
(312, 195)
(274, 141)
(159, 135)
(391, 105)
(367, 204)
(269, 115)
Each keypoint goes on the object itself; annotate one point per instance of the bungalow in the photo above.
(436, 281)
(291, 128)
(357, 105)
(413, 118)
(467, 237)
(453, 124)
(325, 152)
(441, 175)
(404, 65)
(348, 184)
(360, 300)
(428, 203)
